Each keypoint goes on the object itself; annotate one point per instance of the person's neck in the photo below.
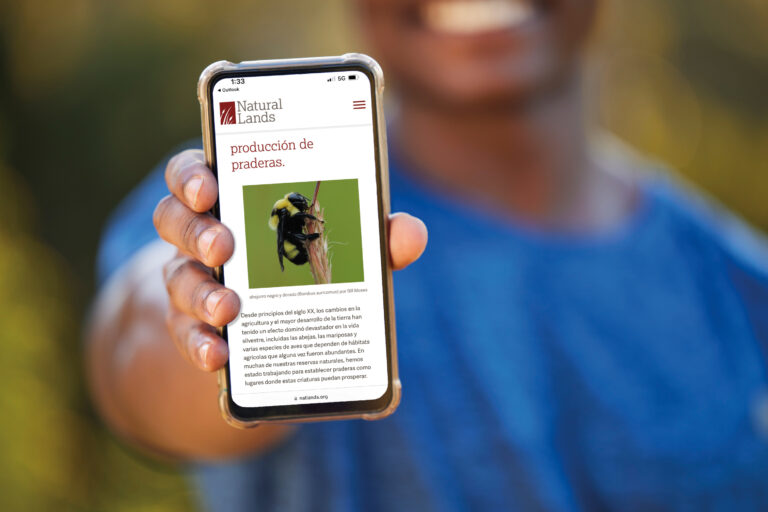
(532, 163)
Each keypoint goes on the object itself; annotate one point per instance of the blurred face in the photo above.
(477, 52)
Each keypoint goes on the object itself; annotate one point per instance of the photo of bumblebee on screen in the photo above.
(303, 233)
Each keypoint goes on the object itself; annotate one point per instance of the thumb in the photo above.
(407, 239)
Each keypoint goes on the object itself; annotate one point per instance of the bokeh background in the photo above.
(340, 203)
(94, 93)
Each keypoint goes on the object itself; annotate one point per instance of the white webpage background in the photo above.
(343, 140)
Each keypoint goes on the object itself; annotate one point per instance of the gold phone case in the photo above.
(203, 85)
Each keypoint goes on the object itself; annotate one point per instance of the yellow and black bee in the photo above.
(288, 218)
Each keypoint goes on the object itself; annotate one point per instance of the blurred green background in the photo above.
(340, 202)
(94, 93)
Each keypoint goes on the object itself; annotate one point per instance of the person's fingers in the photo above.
(198, 235)
(196, 341)
(194, 291)
(407, 239)
(191, 181)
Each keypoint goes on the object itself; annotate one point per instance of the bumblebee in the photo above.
(288, 218)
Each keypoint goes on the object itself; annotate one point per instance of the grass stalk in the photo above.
(319, 263)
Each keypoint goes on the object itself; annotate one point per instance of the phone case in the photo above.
(207, 128)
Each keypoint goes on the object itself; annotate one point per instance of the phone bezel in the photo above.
(246, 416)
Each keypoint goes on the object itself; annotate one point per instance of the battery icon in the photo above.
(353, 77)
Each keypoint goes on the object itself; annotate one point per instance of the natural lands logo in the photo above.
(227, 112)
(249, 112)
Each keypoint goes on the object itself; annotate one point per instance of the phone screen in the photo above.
(312, 332)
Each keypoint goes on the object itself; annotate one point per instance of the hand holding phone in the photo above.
(199, 301)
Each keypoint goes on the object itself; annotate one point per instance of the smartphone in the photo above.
(298, 147)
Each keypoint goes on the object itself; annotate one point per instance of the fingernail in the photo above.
(192, 189)
(205, 241)
(202, 353)
(213, 300)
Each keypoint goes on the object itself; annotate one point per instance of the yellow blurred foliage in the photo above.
(685, 83)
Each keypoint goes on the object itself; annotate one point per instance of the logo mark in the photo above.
(227, 112)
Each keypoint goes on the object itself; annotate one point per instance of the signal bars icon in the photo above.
(358, 104)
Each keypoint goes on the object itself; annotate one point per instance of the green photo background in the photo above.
(340, 201)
